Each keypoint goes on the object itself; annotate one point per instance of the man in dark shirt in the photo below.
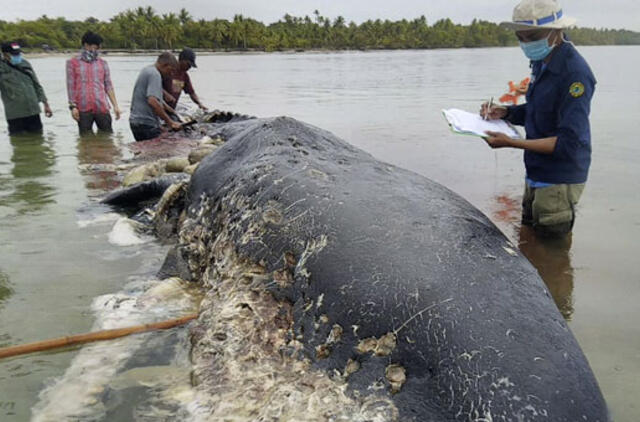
(21, 92)
(557, 151)
(174, 85)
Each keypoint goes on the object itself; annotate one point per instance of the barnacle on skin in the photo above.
(383, 346)
(396, 375)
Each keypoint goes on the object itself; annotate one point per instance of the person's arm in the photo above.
(154, 99)
(516, 114)
(573, 123)
(188, 88)
(513, 114)
(168, 108)
(40, 92)
(112, 97)
(168, 98)
(541, 146)
(71, 90)
(108, 87)
(158, 109)
(196, 100)
(574, 131)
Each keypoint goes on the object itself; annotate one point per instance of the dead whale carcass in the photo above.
(334, 275)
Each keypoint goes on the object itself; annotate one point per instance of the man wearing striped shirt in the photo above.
(89, 85)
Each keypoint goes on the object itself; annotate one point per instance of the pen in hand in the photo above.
(487, 111)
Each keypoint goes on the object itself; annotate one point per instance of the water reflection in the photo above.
(98, 155)
(5, 288)
(551, 257)
(27, 189)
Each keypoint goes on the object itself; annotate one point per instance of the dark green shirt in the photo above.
(21, 92)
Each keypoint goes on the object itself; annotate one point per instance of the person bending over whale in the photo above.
(147, 104)
(180, 80)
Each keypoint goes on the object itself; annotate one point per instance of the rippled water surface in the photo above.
(56, 258)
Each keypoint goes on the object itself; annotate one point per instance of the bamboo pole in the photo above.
(57, 343)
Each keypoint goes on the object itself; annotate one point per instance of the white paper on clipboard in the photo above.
(467, 123)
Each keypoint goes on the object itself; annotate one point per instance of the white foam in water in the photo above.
(77, 394)
(124, 234)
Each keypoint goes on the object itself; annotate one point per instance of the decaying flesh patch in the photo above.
(335, 335)
(324, 350)
(248, 365)
(396, 375)
(383, 346)
(169, 197)
(352, 367)
(283, 277)
(272, 213)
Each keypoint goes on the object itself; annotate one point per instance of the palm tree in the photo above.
(184, 16)
(237, 31)
(169, 29)
(219, 31)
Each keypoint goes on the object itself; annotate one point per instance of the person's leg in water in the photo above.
(85, 123)
(29, 124)
(103, 121)
(553, 209)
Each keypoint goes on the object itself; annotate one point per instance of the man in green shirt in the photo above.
(21, 92)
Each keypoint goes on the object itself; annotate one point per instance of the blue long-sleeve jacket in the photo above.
(558, 104)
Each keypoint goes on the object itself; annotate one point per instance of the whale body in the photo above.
(377, 274)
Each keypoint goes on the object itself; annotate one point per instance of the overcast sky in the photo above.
(590, 13)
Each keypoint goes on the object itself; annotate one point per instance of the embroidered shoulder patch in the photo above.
(576, 89)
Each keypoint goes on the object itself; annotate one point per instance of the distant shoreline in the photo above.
(142, 30)
(206, 52)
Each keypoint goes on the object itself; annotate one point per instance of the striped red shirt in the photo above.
(88, 84)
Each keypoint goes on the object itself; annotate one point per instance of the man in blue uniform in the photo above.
(557, 151)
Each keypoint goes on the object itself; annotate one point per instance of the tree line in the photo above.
(143, 28)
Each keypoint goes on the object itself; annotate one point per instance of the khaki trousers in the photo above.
(551, 210)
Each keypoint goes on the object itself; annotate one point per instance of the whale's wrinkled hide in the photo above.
(335, 269)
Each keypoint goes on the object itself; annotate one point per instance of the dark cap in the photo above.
(189, 55)
(11, 47)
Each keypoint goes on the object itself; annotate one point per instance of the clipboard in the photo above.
(465, 123)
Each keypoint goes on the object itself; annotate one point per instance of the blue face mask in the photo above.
(16, 59)
(537, 50)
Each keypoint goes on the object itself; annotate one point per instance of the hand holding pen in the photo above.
(490, 111)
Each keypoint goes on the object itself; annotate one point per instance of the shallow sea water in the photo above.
(56, 257)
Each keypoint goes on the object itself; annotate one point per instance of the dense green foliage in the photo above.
(142, 28)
